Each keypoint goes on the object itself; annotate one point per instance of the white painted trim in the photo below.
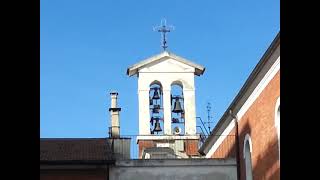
(134, 69)
(247, 138)
(254, 95)
(277, 122)
(220, 139)
(167, 137)
(248, 160)
(260, 87)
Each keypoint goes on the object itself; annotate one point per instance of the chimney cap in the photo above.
(114, 109)
(114, 93)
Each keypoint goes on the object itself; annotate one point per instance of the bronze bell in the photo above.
(157, 127)
(177, 107)
(156, 94)
(175, 120)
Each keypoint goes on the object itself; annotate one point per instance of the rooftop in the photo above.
(68, 150)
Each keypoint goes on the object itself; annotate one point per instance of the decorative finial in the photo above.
(163, 28)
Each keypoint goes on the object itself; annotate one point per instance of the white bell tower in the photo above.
(166, 114)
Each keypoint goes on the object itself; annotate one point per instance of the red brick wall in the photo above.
(226, 148)
(144, 144)
(192, 147)
(259, 123)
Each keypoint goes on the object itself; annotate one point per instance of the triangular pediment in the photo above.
(165, 62)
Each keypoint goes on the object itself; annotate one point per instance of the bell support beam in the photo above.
(190, 112)
(167, 111)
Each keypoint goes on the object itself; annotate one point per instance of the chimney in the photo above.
(114, 130)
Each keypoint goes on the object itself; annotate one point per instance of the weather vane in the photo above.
(163, 29)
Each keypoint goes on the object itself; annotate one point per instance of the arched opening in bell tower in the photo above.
(156, 108)
(177, 108)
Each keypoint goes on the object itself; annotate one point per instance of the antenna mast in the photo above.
(209, 117)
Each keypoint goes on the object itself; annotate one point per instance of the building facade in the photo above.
(249, 130)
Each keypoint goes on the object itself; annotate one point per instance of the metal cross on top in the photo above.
(163, 28)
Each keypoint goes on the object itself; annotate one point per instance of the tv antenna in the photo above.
(209, 117)
(163, 29)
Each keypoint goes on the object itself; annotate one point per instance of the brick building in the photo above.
(249, 130)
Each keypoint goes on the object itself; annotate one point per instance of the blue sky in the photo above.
(86, 47)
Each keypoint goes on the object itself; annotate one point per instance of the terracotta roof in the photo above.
(74, 149)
